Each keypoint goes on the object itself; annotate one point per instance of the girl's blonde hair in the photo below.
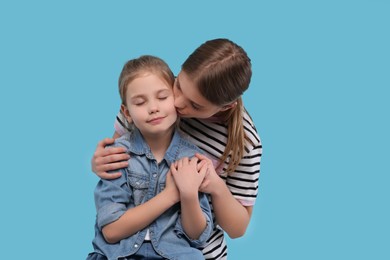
(222, 71)
(137, 67)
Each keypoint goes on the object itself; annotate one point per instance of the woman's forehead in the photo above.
(190, 91)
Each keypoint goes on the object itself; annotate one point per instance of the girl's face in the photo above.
(150, 105)
(189, 102)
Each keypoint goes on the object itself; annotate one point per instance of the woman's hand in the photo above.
(211, 181)
(105, 160)
(188, 175)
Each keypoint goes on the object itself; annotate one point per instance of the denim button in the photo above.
(135, 245)
(154, 175)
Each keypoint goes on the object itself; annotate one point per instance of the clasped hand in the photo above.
(188, 175)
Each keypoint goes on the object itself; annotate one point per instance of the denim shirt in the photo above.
(143, 179)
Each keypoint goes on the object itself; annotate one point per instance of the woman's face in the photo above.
(189, 102)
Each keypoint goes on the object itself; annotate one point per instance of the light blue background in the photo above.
(319, 97)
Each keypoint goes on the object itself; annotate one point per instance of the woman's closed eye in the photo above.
(195, 106)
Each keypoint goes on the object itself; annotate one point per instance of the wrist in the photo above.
(171, 196)
(219, 189)
(188, 195)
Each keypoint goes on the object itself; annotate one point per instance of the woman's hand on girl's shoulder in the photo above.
(110, 159)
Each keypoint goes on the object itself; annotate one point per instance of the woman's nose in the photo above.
(179, 102)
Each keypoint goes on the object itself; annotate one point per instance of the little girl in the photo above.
(139, 215)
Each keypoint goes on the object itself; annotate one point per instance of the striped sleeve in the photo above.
(120, 125)
(244, 181)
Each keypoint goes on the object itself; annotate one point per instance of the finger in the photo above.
(201, 156)
(109, 176)
(203, 170)
(194, 161)
(106, 141)
(180, 163)
(112, 158)
(174, 164)
(200, 165)
(173, 170)
(112, 150)
(112, 166)
(102, 152)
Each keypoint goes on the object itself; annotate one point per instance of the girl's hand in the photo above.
(171, 188)
(188, 175)
(105, 160)
(211, 181)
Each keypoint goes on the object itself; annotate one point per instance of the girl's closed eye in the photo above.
(138, 101)
(163, 97)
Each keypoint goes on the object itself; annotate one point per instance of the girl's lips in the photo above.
(156, 120)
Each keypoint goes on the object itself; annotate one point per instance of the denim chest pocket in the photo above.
(139, 185)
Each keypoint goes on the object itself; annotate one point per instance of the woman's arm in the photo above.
(188, 180)
(137, 218)
(105, 160)
(230, 214)
(110, 159)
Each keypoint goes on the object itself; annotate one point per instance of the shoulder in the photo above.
(187, 146)
(123, 141)
(251, 133)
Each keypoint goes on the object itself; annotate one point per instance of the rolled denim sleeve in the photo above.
(111, 199)
(205, 206)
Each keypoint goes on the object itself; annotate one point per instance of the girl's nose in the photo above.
(153, 107)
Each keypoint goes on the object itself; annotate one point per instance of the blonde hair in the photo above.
(222, 72)
(137, 67)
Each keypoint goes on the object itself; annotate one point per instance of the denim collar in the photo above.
(139, 146)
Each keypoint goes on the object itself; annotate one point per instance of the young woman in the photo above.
(208, 99)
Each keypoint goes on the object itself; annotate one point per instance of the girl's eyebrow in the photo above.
(143, 95)
(138, 96)
(163, 90)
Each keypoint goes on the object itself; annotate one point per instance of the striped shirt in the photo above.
(243, 183)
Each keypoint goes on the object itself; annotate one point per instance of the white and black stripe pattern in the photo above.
(243, 183)
(216, 247)
(212, 138)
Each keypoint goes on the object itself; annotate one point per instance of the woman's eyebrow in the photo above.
(192, 102)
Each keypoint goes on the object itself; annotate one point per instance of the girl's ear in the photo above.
(229, 106)
(125, 111)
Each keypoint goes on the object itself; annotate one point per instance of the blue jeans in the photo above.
(146, 251)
